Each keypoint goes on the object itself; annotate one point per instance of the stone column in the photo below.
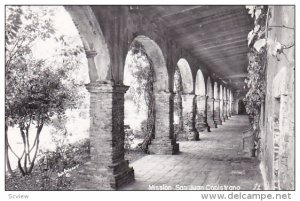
(201, 123)
(107, 169)
(222, 113)
(188, 113)
(230, 107)
(210, 113)
(217, 118)
(226, 109)
(164, 141)
(93, 75)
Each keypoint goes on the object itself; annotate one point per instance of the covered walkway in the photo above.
(216, 161)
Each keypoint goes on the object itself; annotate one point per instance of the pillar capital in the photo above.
(106, 87)
(164, 93)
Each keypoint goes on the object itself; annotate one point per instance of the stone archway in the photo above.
(200, 92)
(189, 131)
(93, 41)
(164, 142)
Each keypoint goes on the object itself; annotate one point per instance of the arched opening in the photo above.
(241, 107)
(158, 110)
(200, 92)
(139, 99)
(188, 131)
(186, 76)
(200, 84)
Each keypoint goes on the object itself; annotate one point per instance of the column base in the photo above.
(93, 177)
(212, 124)
(188, 136)
(218, 121)
(163, 147)
(226, 117)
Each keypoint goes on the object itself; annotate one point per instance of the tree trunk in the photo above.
(37, 140)
(6, 152)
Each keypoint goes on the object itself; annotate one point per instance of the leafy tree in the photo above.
(36, 89)
(141, 89)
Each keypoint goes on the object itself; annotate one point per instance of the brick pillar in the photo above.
(107, 169)
(217, 118)
(188, 113)
(201, 123)
(210, 113)
(164, 142)
(223, 111)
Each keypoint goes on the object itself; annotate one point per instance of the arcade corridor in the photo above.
(214, 162)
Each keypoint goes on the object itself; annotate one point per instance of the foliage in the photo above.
(257, 60)
(54, 170)
(36, 89)
(129, 137)
(142, 86)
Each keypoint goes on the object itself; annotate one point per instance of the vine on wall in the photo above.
(257, 57)
(260, 47)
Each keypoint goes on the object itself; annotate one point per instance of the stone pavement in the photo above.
(216, 162)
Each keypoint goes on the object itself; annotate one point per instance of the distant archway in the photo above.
(216, 94)
(186, 76)
(210, 92)
(200, 84)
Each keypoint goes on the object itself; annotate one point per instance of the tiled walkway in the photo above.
(216, 161)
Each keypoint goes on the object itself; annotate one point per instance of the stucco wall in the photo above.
(279, 104)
